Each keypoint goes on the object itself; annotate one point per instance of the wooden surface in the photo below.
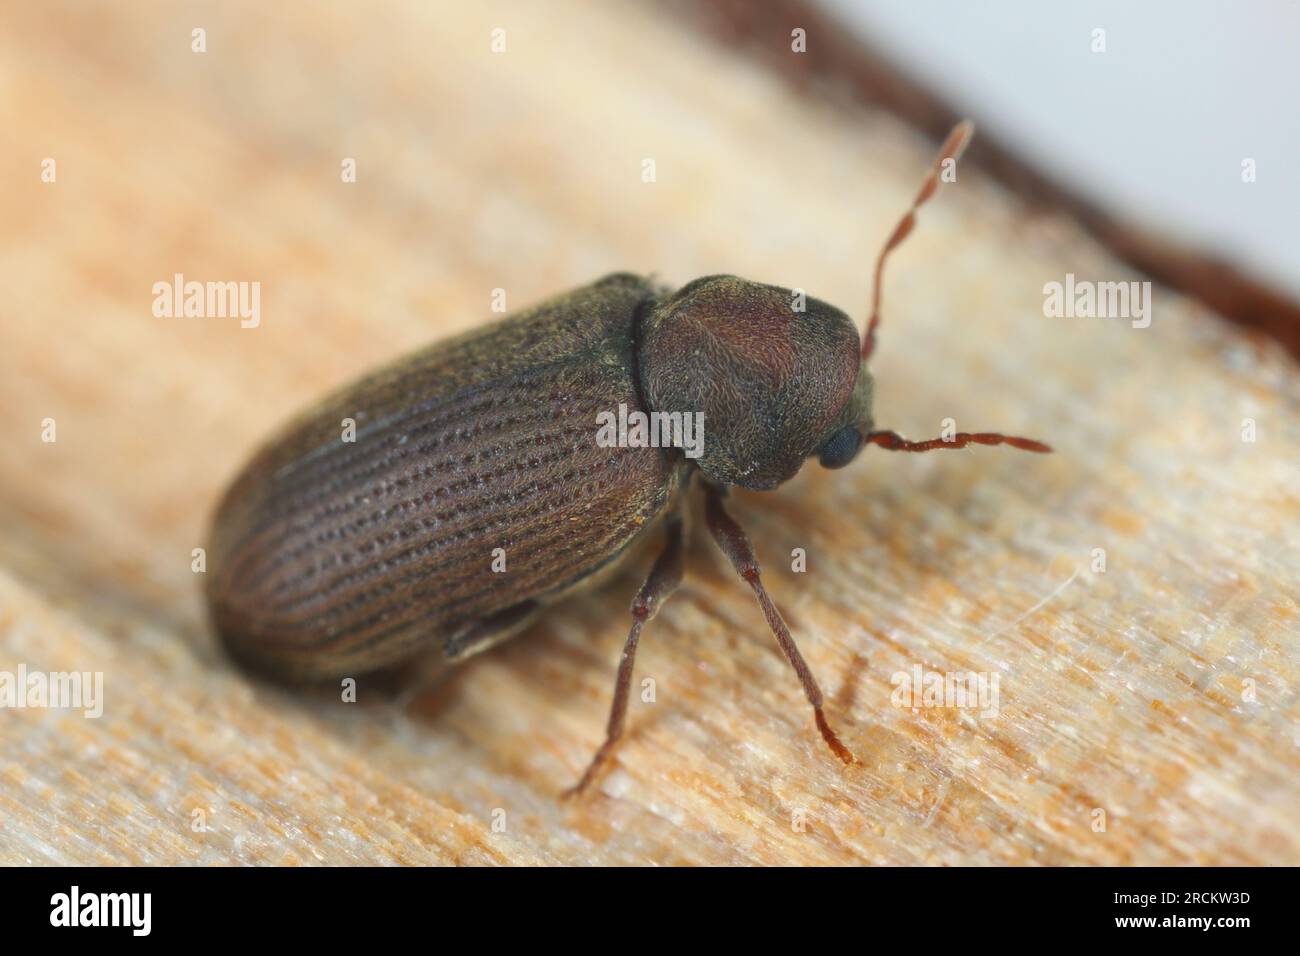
(1160, 691)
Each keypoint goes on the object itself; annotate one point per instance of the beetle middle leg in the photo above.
(662, 580)
(734, 543)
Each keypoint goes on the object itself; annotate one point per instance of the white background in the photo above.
(1155, 129)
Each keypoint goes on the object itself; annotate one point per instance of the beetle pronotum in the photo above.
(331, 558)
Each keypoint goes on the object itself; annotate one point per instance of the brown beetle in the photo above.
(331, 558)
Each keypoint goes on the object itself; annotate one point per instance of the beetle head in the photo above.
(778, 377)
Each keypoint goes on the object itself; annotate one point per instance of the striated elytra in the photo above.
(475, 493)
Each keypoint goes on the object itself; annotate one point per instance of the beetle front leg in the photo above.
(733, 541)
(659, 584)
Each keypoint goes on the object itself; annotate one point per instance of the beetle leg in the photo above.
(896, 442)
(467, 639)
(733, 541)
(659, 584)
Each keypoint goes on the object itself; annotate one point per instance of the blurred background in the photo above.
(1148, 110)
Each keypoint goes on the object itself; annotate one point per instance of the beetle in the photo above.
(477, 455)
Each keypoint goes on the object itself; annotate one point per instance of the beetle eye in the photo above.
(841, 448)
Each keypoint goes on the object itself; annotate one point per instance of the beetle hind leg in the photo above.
(662, 580)
(463, 640)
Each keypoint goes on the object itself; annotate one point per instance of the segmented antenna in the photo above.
(952, 149)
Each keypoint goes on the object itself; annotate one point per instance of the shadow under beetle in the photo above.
(331, 558)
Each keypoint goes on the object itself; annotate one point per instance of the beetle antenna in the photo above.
(896, 442)
(952, 149)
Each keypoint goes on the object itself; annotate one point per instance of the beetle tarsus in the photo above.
(830, 737)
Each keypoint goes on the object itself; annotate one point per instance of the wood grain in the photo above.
(1159, 692)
